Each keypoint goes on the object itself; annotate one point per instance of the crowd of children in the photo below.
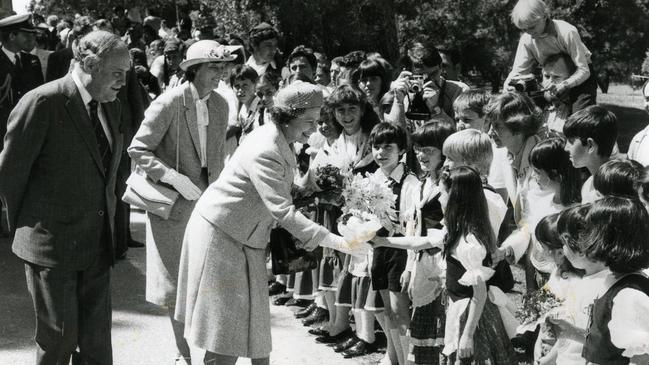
(436, 285)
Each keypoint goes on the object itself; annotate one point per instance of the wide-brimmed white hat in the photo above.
(207, 51)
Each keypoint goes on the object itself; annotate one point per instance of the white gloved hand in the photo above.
(182, 184)
(338, 243)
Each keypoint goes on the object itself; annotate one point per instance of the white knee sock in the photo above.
(394, 334)
(365, 329)
(405, 346)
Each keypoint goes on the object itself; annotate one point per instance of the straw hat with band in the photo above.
(299, 95)
(207, 51)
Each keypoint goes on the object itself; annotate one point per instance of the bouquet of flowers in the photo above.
(536, 306)
(331, 180)
(369, 206)
(329, 177)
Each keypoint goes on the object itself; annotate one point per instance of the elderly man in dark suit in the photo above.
(57, 179)
(20, 71)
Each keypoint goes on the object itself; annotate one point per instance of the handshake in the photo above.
(339, 243)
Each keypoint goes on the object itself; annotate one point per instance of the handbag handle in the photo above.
(178, 133)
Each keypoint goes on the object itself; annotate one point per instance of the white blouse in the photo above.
(470, 253)
(629, 325)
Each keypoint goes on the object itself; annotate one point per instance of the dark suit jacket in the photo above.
(59, 201)
(58, 64)
(16, 81)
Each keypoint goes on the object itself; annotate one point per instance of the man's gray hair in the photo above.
(96, 45)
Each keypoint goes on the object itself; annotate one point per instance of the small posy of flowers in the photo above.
(329, 177)
(369, 206)
(537, 304)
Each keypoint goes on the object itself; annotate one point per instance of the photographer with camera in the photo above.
(542, 37)
(421, 86)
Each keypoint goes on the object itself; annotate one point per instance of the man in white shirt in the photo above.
(263, 40)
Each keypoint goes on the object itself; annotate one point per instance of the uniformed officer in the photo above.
(20, 71)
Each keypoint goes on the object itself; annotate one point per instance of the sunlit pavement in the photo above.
(141, 331)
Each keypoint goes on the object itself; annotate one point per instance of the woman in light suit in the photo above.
(180, 143)
(223, 288)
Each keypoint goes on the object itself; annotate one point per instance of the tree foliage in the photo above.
(616, 31)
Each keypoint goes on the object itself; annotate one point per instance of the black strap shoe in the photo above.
(318, 332)
(276, 288)
(281, 300)
(329, 339)
(360, 348)
(317, 315)
(342, 346)
(298, 303)
(303, 313)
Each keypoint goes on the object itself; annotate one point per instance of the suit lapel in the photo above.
(285, 149)
(79, 116)
(190, 118)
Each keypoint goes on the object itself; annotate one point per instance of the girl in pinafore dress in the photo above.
(615, 240)
(474, 332)
(327, 209)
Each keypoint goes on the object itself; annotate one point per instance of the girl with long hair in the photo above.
(474, 332)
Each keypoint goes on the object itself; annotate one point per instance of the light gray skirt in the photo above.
(223, 293)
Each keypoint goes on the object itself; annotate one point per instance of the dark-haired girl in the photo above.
(357, 118)
(563, 282)
(352, 149)
(374, 80)
(615, 241)
(474, 333)
(554, 185)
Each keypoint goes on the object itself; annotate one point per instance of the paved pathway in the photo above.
(141, 331)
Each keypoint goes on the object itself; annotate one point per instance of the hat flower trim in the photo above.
(220, 52)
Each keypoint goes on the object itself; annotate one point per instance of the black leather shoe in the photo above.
(329, 339)
(135, 244)
(298, 303)
(317, 315)
(276, 288)
(281, 300)
(318, 332)
(342, 346)
(303, 313)
(360, 348)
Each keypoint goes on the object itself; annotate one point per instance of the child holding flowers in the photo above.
(388, 268)
(614, 242)
(426, 331)
(356, 118)
(563, 281)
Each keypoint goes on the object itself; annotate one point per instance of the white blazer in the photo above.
(254, 191)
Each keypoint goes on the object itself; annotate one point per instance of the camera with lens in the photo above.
(531, 87)
(416, 84)
(526, 85)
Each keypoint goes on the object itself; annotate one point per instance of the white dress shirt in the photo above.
(87, 98)
(11, 55)
(202, 120)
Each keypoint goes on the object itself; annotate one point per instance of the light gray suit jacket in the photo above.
(254, 191)
(154, 146)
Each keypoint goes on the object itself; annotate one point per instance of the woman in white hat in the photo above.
(223, 288)
(180, 143)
